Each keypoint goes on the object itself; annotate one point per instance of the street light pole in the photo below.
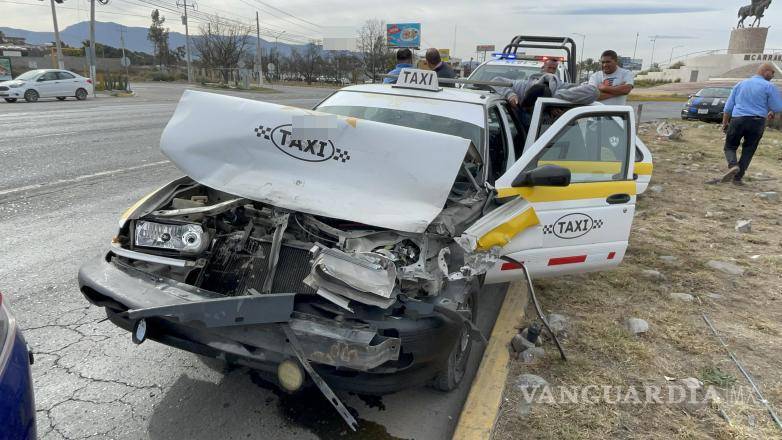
(277, 52)
(654, 41)
(60, 61)
(670, 60)
(583, 44)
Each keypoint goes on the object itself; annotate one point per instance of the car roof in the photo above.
(480, 97)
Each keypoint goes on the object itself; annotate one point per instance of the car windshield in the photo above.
(487, 72)
(430, 115)
(29, 75)
(716, 92)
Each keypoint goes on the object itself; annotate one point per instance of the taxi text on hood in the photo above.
(368, 172)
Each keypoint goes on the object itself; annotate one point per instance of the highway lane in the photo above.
(70, 169)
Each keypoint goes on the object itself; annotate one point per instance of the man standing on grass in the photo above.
(750, 103)
(613, 82)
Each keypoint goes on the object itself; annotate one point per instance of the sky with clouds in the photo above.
(695, 25)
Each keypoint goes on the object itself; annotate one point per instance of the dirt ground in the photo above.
(694, 223)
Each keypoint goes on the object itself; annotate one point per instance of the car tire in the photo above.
(449, 378)
(61, 98)
(31, 96)
(81, 94)
(10, 100)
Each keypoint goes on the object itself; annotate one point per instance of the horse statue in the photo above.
(756, 9)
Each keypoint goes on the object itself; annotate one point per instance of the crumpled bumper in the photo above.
(246, 329)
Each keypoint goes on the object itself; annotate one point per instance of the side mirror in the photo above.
(545, 175)
(40, 79)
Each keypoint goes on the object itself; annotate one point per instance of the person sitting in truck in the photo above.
(404, 59)
(550, 66)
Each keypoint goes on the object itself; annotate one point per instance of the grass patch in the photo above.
(714, 376)
(254, 89)
(672, 222)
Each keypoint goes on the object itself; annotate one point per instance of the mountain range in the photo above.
(109, 33)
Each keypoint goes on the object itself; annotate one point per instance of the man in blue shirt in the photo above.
(404, 59)
(750, 103)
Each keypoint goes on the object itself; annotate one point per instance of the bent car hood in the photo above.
(368, 172)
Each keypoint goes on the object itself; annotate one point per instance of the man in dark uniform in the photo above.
(436, 63)
(751, 102)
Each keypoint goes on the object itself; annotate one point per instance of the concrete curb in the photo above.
(480, 410)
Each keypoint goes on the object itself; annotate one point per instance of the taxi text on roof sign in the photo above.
(418, 79)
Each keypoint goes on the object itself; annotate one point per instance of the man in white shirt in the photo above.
(614, 82)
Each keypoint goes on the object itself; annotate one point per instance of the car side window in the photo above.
(595, 148)
(498, 145)
(65, 75)
(49, 76)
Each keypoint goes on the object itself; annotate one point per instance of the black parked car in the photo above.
(707, 105)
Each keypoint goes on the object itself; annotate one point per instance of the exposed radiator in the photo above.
(234, 273)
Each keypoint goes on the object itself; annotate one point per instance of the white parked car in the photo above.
(46, 83)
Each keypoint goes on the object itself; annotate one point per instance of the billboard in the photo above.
(630, 63)
(485, 48)
(445, 55)
(403, 35)
(5, 69)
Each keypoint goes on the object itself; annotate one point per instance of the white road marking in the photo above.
(80, 178)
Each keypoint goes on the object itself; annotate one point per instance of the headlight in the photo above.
(188, 239)
(15, 85)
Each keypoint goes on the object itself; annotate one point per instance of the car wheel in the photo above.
(81, 94)
(61, 98)
(31, 95)
(10, 99)
(449, 378)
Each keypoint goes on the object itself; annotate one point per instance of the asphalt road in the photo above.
(69, 169)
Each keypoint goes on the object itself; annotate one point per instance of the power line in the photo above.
(289, 14)
(69, 8)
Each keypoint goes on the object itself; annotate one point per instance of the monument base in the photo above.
(748, 40)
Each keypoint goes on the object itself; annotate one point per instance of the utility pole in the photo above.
(60, 61)
(125, 60)
(258, 49)
(637, 34)
(92, 47)
(187, 36)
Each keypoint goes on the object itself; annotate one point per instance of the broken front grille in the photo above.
(233, 273)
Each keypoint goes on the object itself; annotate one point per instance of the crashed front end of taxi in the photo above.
(277, 247)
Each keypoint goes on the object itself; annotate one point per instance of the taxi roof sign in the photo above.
(418, 79)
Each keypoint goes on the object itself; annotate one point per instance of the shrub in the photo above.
(161, 76)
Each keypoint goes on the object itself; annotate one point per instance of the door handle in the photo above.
(618, 198)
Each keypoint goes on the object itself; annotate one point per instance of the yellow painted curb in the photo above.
(476, 421)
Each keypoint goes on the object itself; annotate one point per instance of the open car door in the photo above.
(542, 119)
(555, 225)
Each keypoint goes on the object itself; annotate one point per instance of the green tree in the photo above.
(158, 35)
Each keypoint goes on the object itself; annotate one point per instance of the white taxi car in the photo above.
(46, 83)
(353, 240)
